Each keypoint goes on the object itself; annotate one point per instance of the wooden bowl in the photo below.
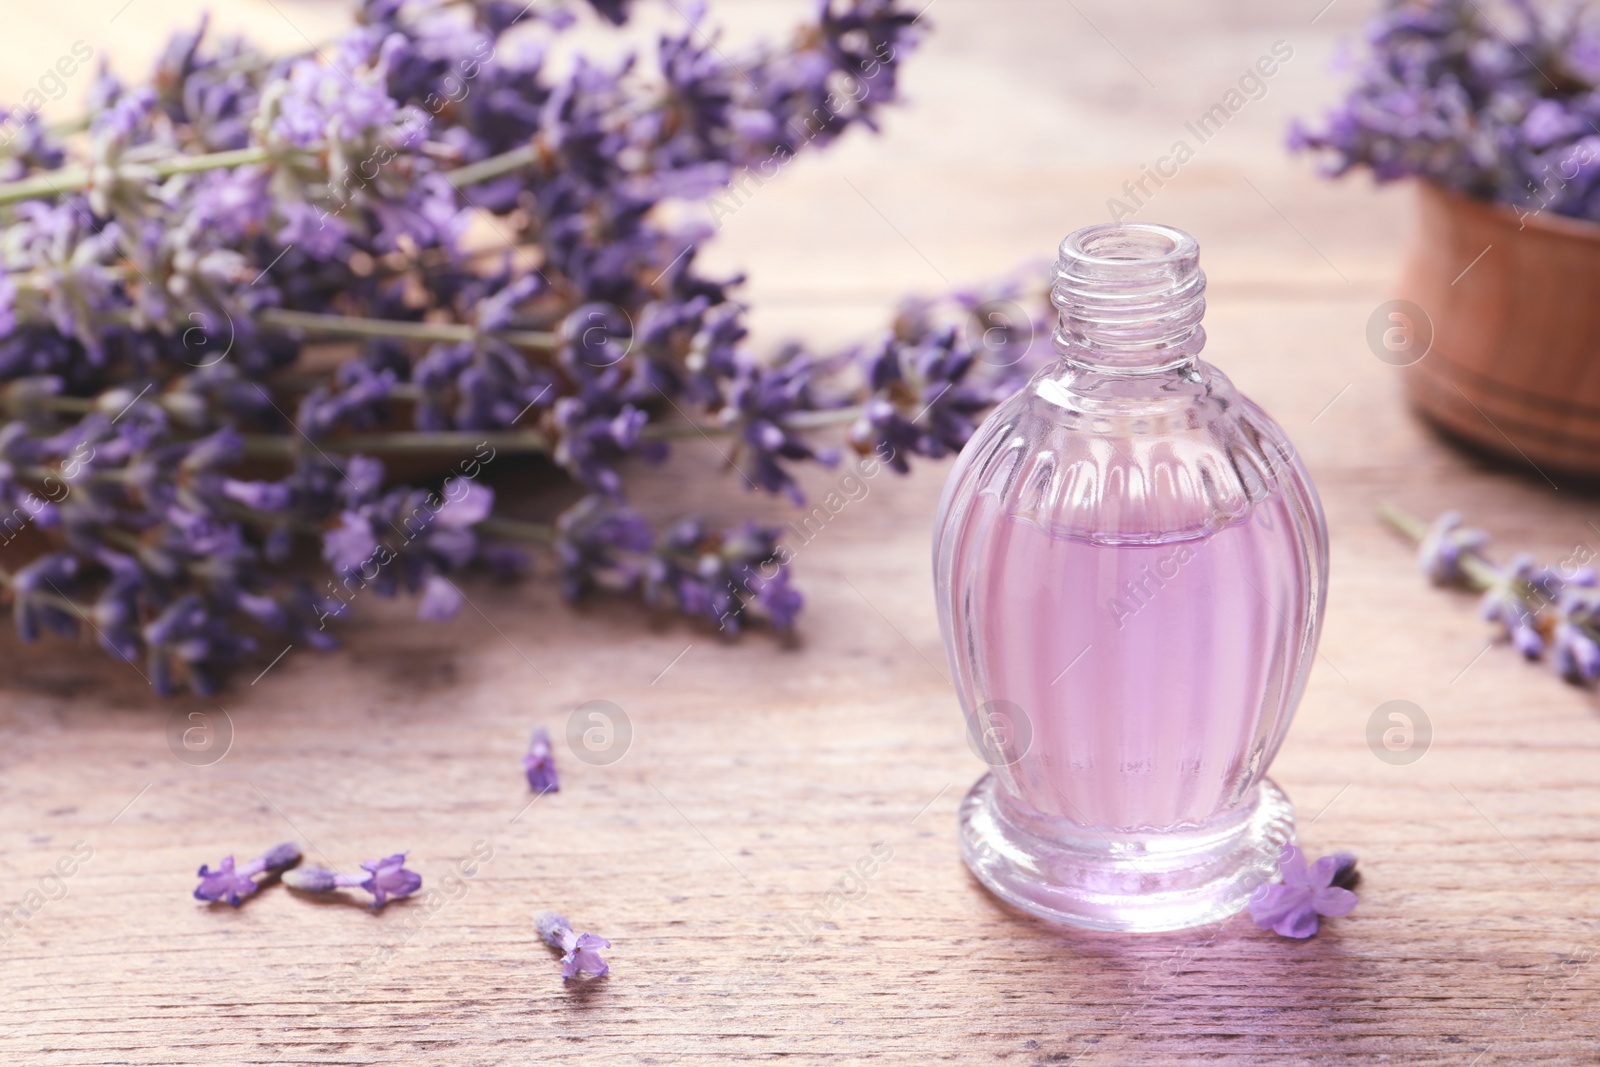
(1513, 301)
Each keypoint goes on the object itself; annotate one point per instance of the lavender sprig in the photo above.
(580, 953)
(1538, 609)
(386, 879)
(233, 884)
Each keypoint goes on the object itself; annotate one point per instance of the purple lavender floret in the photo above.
(540, 764)
(225, 883)
(927, 392)
(233, 884)
(580, 953)
(1507, 602)
(719, 575)
(761, 398)
(1575, 636)
(386, 879)
(598, 545)
(1441, 550)
(1292, 907)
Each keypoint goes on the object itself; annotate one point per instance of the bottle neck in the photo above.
(1131, 298)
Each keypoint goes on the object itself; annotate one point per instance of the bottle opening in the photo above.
(1131, 296)
(1136, 243)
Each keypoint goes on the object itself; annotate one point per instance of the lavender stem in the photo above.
(356, 326)
(73, 179)
(493, 167)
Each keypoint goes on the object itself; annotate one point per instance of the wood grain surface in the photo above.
(714, 853)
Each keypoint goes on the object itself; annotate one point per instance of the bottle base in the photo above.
(1113, 880)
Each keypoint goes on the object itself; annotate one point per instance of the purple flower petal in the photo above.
(441, 600)
(580, 953)
(233, 884)
(1292, 907)
(224, 883)
(585, 957)
(388, 878)
(469, 508)
(540, 763)
(1333, 901)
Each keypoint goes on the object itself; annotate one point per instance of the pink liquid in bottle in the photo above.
(1130, 564)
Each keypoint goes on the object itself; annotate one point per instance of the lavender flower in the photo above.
(386, 879)
(1574, 635)
(1538, 608)
(540, 764)
(1442, 547)
(1508, 601)
(160, 277)
(760, 400)
(1291, 907)
(580, 953)
(1501, 107)
(718, 574)
(233, 884)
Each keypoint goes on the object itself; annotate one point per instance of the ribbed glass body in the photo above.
(1131, 566)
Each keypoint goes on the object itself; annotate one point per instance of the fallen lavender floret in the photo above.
(1539, 609)
(386, 879)
(233, 884)
(580, 953)
(1292, 906)
(540, 764)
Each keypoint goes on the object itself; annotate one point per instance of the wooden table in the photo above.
(759, 772)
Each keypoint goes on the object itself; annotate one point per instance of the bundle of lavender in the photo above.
(475, 238)
(1494, 100)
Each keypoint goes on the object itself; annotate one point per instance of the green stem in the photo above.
(76, 177)
(7, 580)
(356, 326)
(71, 179)
(410, 443)
(1408, 525)
(816, 420)
(523, 442)
(493, 167)
(513, 530)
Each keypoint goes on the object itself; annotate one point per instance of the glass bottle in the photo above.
(1131, 566)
